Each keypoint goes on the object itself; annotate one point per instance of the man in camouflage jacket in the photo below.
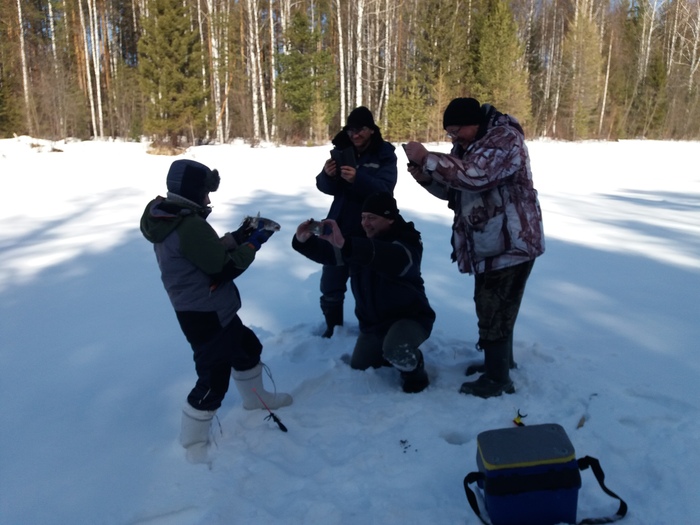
(497, 231)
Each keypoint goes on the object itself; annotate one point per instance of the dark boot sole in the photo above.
(486, 392)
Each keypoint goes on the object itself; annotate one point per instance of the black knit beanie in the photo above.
(360, 117)
(192, 180)
(382, 204)
(462, 112)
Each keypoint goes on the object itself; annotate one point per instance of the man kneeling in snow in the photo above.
(197, 268)
(393, 311)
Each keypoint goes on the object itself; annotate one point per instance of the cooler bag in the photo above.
(529, 475)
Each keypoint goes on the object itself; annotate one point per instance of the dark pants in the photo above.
(398, 346)
(334, 281)
(235, 346)
(497, 296)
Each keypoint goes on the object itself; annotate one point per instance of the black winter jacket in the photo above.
(376, 171)
(385, 276)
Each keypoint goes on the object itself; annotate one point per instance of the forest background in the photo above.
(183, 72)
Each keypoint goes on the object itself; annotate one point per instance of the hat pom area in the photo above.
(462, 112)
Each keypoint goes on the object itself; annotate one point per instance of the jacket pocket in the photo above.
(488, 237)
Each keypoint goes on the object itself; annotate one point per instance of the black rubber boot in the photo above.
(480, 367)
(496, 379)
(333, 313)
(417, 379)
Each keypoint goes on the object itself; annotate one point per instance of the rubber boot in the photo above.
(250, 385)
(333, 313)
(496, 379)
(194, 433)
(416, 380)
(480, 367)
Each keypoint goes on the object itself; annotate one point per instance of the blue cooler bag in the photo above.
(529, 475)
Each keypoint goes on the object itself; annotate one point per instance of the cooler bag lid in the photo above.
(524, 447)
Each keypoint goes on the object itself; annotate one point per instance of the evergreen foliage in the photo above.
(582, 78)
(500, 77)
(158, 67)
(442, 48)
(407, 112)
(306, 83)
(170, 72)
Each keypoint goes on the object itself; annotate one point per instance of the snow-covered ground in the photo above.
(94, 368)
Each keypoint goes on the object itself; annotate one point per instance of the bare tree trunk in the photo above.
(200, 26)
(359, 27)
(58, 92)
(341, 61)
(694, 23)
(389, 51)
(25, 72)
(95, 37)
(648, 23)
(258, 65)
(91, 99)
(558, 61)
(214, 44)
(273, 75)
(227, 76)
(253, 74)
(285, 9)
(605, 88)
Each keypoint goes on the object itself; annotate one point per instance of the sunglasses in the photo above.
(356, 131)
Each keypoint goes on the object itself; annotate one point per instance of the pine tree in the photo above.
(170, 73)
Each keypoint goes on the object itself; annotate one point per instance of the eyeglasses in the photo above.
(453, 134)
(355, 131)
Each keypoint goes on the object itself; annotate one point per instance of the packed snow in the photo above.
(94, 369)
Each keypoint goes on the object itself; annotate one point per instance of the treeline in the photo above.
(186, 72)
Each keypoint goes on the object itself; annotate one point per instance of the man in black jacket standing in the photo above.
(361, 163)
(393, 311)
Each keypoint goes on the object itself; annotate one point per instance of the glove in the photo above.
(242, 234)
(250, 225)
(260, 235)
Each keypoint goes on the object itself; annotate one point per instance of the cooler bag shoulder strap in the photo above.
(473, 477)
(594, 464)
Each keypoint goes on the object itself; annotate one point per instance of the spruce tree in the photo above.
(170, 73)
(441, 47)
(582, 79)
(407, 112)
(306, 83)
(500, 76)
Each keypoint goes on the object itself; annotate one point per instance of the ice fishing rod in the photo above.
(272, 415)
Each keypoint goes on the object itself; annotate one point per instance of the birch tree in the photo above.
(25, 72)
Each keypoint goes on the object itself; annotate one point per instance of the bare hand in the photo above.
(329, 167)
(348, 173)
(335, 237)
(303, 234)
(415, 152)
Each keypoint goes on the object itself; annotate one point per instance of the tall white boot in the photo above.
(194, 433)
(250, 382)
